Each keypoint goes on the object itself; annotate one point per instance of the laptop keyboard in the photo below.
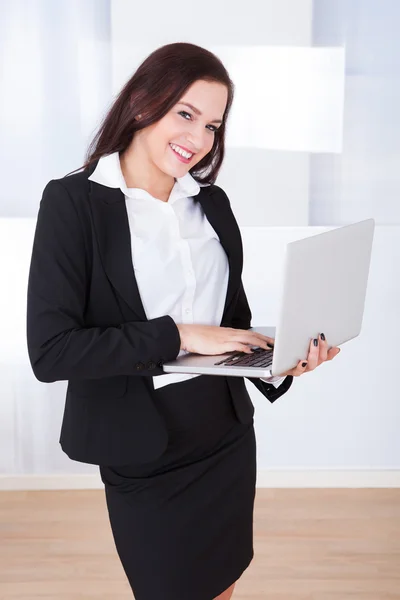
(259, 358)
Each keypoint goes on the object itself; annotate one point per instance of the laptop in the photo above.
(323, 290)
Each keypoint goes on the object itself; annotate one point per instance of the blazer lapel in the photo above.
(114, 242)
(226, 227)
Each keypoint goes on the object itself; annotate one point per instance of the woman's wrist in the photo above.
(181, 329)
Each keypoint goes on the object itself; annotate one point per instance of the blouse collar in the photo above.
(108, 172)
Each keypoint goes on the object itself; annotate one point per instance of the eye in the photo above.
(183, 112)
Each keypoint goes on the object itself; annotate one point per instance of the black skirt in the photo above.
(183, 524)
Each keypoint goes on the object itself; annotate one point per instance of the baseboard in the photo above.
(328, 478)
(266, 478)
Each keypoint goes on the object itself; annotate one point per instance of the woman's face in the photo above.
(184, 127)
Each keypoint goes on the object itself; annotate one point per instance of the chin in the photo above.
(175, 173)
(178, 171)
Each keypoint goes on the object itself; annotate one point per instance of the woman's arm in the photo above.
(59, 345)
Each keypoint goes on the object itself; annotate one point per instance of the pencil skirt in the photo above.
(183, 524)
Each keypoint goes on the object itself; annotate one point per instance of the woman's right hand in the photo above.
(211, 339)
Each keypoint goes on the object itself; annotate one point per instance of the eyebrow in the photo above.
(198, 112)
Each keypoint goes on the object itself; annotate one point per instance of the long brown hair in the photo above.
(155, 87)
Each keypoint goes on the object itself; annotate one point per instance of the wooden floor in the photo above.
(310, 545)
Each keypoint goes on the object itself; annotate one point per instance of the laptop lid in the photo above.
(324, 289)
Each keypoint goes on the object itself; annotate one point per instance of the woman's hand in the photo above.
(211, 339)
(317, 354)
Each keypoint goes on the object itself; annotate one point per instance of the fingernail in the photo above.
(270, 345)
(322, 336)
(315, 342)
(304, 364)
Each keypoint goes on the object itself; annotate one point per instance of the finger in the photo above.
(254, 339)
(300, 369)
(235, 347)
(253, 333)
(266, 338)
(323, 348)
(313, 354)
(332, 352)
(267, 345)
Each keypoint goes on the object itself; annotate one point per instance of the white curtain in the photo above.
(55, 83)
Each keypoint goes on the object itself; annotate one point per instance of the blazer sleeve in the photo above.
(60, 347)
(242, 320)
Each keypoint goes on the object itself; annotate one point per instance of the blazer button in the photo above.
(151, 365)
(139, 366)
(160, 363)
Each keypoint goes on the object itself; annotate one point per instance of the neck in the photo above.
(138, 172)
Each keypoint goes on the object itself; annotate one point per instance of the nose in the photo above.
(198, 137)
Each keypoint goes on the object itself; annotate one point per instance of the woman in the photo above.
(136, 259)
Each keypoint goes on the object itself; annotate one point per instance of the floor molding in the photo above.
(266, 478)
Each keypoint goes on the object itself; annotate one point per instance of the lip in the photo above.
(183, 148)
(186, 161)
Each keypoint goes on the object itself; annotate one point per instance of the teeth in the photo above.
(180, 151)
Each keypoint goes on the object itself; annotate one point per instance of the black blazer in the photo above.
(86, 322)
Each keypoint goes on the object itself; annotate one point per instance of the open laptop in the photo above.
(324, 288)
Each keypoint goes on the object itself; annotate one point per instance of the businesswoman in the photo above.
(137, 258)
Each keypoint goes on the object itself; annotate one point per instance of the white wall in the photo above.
(364, 180)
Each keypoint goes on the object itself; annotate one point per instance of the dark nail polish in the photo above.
(270, 345)
(303, 364)
(322, 336)
(315, 342)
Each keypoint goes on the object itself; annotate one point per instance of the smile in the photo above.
(180, 153)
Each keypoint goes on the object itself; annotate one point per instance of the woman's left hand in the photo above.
(317, 355)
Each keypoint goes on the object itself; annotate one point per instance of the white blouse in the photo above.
(180, 266)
